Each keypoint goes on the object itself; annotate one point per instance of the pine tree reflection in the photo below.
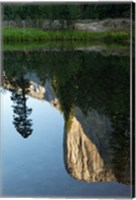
(21, 121)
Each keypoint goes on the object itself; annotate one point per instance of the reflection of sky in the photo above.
(34, 166)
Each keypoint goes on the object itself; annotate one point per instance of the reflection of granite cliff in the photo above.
(88, 151)
(36, 90)
(41, 92)
(89, 154)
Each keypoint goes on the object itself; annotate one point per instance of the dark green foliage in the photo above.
(87, 80)
(66, 11)
(102, 11)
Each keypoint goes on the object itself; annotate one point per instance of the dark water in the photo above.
(65, 124)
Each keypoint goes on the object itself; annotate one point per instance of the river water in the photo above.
(65, 124)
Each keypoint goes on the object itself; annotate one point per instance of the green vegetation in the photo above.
(32, 34)
(67, 14)
(69, 11)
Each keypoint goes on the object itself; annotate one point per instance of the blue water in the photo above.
(34, 167)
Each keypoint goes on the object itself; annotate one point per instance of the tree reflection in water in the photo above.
(21, 121)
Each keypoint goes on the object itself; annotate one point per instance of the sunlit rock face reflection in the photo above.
(88, 150)
(38, 91)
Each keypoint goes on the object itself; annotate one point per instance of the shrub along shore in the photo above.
(14, 34)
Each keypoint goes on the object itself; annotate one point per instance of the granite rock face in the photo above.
(103, 25)
(83, 25)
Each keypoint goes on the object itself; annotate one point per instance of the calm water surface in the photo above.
(65, 124)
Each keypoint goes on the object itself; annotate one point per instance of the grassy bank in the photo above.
(32, 34)
(46, 45)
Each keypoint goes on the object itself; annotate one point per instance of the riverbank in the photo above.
(89, 25)
(33, 34)
(101, 47)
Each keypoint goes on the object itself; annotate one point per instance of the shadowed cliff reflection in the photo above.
(92, 92)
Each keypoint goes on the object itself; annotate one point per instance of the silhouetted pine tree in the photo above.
(21, 121)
